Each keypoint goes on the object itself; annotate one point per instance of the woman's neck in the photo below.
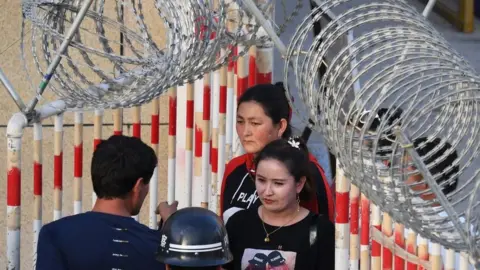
(281, 218)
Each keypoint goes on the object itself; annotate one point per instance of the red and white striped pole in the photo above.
(252, 66)
(264, 65)
(197, 184)
(154, 139)
(97, 138)
(222, 127)
(189, 144)
(399, 232)
(376, 258)
(206, 141)
(78, 163)
(230, 112)
(365, 233)
(412, 248)
(387, 256)
(37, 185)
(354, 227)
(172, 142)
(136, 130)
(58, 167)
(341, 220)
(118, 121)
(14, 166)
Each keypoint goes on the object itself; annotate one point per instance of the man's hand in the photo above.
(165, 210)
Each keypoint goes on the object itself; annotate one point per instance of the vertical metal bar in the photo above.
(13, 93)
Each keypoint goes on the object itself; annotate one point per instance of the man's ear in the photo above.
(138, 185)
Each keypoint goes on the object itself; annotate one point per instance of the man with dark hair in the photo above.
(107, 237)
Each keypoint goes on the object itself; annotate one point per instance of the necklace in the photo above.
(267, 237)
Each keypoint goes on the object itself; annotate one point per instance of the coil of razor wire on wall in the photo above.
(120, 57)
(395, 95)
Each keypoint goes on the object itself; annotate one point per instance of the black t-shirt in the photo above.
(289, 247)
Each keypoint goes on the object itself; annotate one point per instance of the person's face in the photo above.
(275, 186)
(255, 129)
(416, 178)
(139, 192)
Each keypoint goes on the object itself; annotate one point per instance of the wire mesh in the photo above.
(126, 53)
(389, 77)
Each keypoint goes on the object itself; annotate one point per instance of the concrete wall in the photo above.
(11, 64)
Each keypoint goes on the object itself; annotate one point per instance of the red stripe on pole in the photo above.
(37, 178)
(155, 128)
(365, 230)
(411, 248)
(136, 130)
(198, 141)
(223, 100)
(399, 262)
(172, 116)
(263, 78)
(206, 102)
(354, 211)
(387, 259)
(58, 171)
(189, 114)
(342, 207)
(78, 161)
(252, 71)
(242, 85)
(13, 187)
(376, 248)
(214, 159)
(117, 132)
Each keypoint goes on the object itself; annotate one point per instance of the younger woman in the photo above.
(281, 234)
(264, 115)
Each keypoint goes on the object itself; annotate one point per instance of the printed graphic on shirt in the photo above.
(243, 196)
(259, 259)
(247, 198)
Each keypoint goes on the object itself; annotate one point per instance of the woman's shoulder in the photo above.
(244, 216)
(241, 221)
(236, 161)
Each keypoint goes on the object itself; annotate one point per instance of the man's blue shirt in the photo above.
(92, 240)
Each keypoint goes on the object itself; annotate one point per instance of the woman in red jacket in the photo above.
(263, 115)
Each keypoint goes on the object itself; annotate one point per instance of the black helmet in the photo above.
(194, 237)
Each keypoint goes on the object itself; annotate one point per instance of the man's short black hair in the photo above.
(118, 163)
(423, 146)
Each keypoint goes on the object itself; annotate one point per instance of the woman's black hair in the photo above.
(293, 153)
(273, 99)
